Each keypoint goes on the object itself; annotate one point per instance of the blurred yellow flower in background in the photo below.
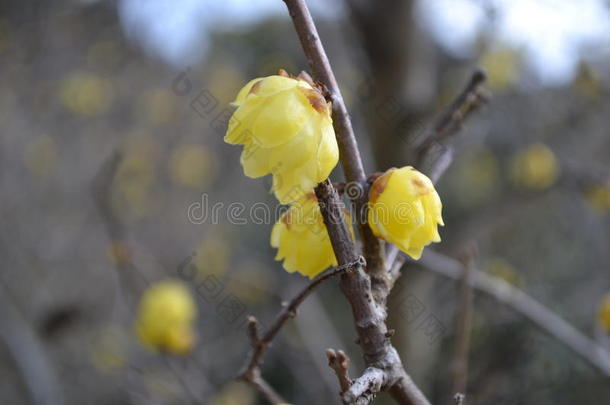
(134, 179)
(109, 351)
(286, 129)
(41, 155)
(86, 94)
(587, 81)
(477, 175)
(598, 198)
(212, 257)
(405, 209)
(500, 268)
(157, 106)
(301, 238)
(503, 67)
(604, 313)
(534, 167)
(165, 318)
(234, 394)
(191, 166)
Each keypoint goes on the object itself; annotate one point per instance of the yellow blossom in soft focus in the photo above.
(41, 155)
(587, 81)
(157, 106)
(301, 238)
(86, 94)
(286, 129)
(405, 209)
(503, 67)
(234, 394)
(165, 318)
(109, 350)
(604, 313)
(534, 168)
(134, 180)
(212, 256)
(598, 198)
(502, 269)
(477, 175)
(191, 166)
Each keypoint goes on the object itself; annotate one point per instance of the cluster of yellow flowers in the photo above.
(165, 318)
(284, 124)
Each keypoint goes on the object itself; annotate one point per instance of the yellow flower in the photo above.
(165, 318)
(598, 198)
(405, 210)
(191, 166)
(86, 94)
(301, 238)
(604, 313)
(286, 129)
(534, 167)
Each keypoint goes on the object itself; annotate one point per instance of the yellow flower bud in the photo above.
(604, 313)
(598, 198)
(301, 238)
(405, 209)
(165, 318)
(286, 129)
(534, 168)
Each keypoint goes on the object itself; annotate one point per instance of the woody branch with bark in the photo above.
(365, 286)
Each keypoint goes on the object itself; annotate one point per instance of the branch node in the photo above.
(339, 362)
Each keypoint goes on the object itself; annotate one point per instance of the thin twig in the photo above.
(463, 325)
(339, 362)
(346, 140)
(27, 351)
(540, 316)
(451, 122)
(130, 281)
(251, 370)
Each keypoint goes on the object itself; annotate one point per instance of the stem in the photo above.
(251, 371)
(346, 140)
(367, 295)
(542, 317)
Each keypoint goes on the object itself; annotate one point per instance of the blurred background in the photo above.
(112, 159)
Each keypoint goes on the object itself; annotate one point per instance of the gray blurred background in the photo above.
(112, 116)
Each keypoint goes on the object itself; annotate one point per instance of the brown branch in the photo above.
(540, 316)
(364, 389)
(367, 294)
(251, 370)
(23, 345)
(451, 121)
(463, 324)
(101, 190)
(339, 362)
(346, 140)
